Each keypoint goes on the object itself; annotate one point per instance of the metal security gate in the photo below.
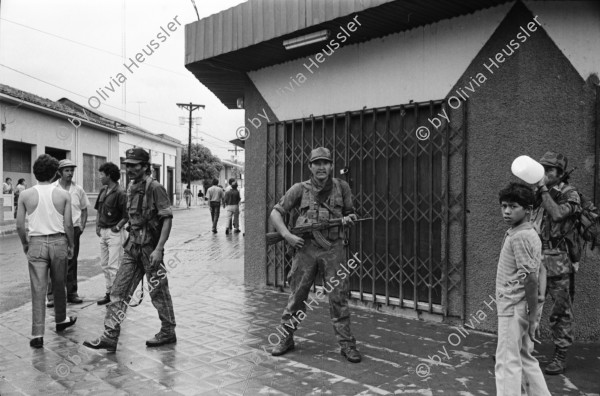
(413, 252)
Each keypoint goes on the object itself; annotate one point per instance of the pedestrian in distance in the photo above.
(187, 194)
(554, 216)
(318, 199)
(112, 216)
(229, 186)
(517, 297)
(48, 245)
(215, 198)
(201, 197)
(231, 203)
(21, 185)
(7, 187)
(79, 204)
(150, 220)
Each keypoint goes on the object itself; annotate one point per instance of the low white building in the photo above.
(31, 126)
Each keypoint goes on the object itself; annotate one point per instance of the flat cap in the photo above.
(136, 155)
(65, 163)
(320, 153)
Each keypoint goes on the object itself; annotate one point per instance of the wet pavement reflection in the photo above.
(223, 331)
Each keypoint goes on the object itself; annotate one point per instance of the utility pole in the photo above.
(235, 150)
(190, 107)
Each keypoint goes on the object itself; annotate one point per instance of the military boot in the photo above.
(102, 342)
(285, 345)
(350, 353)
(558, 365)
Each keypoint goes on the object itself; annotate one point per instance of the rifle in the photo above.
(274, 237)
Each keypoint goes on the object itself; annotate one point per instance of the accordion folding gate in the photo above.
(404, 173)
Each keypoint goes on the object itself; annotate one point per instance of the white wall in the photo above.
(354, 73)
(419, 65)
(574, 26)
(43, 130)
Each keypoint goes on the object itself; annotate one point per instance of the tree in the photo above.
(204, 164)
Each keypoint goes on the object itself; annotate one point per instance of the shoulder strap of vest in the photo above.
(149, 181)
(129, 194)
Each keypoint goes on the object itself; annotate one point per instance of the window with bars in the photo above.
(91, 175)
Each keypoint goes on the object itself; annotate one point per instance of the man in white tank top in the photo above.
(79, 204)
(48, 245)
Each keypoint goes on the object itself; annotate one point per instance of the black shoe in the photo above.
(226, 231)
(161, 339)
(214, 231)
(105, 300)
(62, 326)
(37, 342)
(237, 231)
(351, 354)
(102, 343)
(74, 300)
(50, 304)
(284, 346)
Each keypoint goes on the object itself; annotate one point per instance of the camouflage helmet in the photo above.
(555, 160)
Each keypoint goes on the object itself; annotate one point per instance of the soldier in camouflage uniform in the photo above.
(320, 198)
(554, 219)
(150, 219)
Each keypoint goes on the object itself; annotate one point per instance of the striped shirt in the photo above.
(521, 254)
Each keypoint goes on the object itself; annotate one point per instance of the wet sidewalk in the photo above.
(224, 330)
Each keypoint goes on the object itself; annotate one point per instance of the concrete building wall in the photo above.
(44, 132)
(535, 101)
(255, 253)
(420, 64)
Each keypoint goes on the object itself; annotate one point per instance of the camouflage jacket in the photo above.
(559, 238)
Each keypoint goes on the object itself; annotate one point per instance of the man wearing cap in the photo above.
(320, 198)
(150, 219)
(79, 204)
(554, 219)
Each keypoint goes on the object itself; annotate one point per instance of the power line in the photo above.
(88, 46)
(107, 105)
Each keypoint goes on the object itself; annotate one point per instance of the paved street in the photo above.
(224, 328)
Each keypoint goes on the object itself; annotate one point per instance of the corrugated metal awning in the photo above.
(221, 49)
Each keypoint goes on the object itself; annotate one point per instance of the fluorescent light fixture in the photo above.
(307, 39)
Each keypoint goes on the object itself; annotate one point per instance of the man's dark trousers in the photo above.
(215, 210)
(71, 282)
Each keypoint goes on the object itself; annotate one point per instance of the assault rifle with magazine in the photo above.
(311, 231)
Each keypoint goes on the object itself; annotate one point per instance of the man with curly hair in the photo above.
(112, 216)
(48, 246)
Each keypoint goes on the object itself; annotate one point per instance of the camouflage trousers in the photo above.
(561, 317)
(136, 263)
(309, 262)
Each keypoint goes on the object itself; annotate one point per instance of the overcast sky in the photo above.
(87, 56)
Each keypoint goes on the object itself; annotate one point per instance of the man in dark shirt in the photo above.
(231, 203)
(112, 216)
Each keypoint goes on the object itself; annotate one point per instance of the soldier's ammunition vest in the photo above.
(311, 211)
(145, 225)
